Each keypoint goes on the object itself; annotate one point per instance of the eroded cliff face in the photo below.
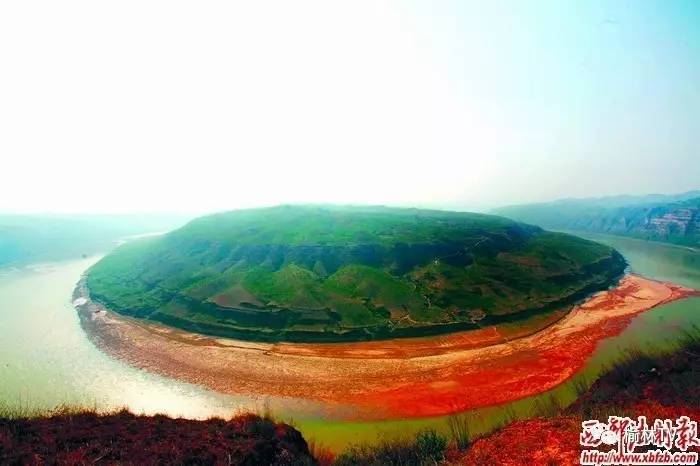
(672, 223)
(678, 222)
(675, 222)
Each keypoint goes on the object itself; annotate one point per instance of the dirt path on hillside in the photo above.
(385, 379)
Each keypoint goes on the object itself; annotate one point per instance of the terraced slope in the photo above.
(310, 273)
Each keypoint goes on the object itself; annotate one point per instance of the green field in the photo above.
(317, 273)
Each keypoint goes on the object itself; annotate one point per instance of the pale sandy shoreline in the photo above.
(395, 378)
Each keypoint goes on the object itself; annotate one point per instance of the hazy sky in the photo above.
(193, 106)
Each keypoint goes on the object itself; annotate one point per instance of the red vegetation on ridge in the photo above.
(124, 438)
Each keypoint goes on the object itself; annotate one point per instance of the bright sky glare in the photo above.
(143, 105)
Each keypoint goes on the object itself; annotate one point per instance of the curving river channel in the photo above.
(46, 359)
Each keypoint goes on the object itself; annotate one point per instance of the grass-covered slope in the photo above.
(308, 273)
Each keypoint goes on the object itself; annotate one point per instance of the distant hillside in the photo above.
(38, 238)
(348, 273)
(674, 219)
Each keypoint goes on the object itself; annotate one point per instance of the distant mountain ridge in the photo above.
(656, 217)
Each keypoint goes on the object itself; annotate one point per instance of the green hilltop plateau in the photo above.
(321, 273)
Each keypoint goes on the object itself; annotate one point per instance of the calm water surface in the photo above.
(46, 359)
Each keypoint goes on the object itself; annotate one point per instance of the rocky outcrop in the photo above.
(681, 222)
(674, 221)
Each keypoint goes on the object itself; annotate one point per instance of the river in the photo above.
(46, 359)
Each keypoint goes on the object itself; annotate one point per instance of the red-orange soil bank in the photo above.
(386, 379)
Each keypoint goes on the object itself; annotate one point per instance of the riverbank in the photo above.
(658, 386)
(123, 438)
(383, 380)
